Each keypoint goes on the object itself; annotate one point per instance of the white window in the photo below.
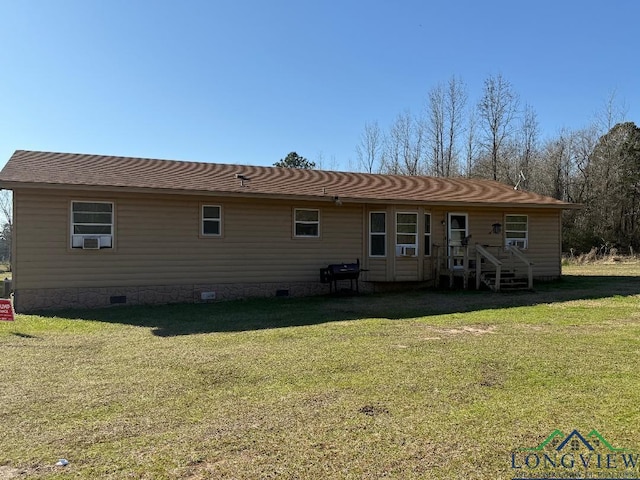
(91, 225)
(211, 220)
(406, 234)
(306, 223)
(377, 234)
(427, 234)
(516, 230)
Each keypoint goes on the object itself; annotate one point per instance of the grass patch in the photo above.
(414, 385)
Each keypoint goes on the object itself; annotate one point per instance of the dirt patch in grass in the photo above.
(473, 330)
(7, 473)
(10, 473)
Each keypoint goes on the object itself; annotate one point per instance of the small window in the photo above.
(406, 234)
(91, 225)
(377, 234)
(427, 234)
(211, 220)
(307, 223)
(516, 231)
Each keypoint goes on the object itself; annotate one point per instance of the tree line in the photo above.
(498, 137)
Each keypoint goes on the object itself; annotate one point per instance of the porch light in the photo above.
(496, 228)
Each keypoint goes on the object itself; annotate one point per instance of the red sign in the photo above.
(6, 310)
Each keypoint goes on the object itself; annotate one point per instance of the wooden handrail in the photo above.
(521, 256)
(483, 252)
(518, 253)
(489, 256)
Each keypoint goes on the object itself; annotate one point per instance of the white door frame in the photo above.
(455, 250)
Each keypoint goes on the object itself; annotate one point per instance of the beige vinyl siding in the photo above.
(543, 230)
(428, 268)
(407, 269)
(157, 242)
(545, 242)
(377, 270)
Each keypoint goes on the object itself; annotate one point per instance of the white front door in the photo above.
(458, 230)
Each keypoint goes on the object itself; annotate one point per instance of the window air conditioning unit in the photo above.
(406, 251)
(517, 243)
(91, 243)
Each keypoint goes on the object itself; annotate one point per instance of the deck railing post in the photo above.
(516, 252)
(438, 264)
(478, 269)
(465, 266)
(481, 251)
(450, 267)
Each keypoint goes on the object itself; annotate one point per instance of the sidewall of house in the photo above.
(160, 255)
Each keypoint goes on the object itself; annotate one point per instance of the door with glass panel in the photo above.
(458, 231)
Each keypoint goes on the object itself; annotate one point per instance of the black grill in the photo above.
(335, 272)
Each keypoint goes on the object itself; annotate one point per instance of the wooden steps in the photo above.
(509, 282)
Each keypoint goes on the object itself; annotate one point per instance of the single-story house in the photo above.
(93, 230)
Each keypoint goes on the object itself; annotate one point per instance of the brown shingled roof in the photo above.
(51, 170)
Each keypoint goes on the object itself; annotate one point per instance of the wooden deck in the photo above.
(496, 267)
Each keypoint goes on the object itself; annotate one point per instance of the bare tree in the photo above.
(369, 150)
(436, 129)
(445, 106)
(497, 110)
(455, 101)
(553, 170)
(6, 210)
(583, 144)
(611, 113)
(323, 163)
(418, 146)
(471, 145)
(404, 146)
(528, 145)
(392, 150)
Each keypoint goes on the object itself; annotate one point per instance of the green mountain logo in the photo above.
(574, 441)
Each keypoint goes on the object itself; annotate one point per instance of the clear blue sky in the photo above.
(247, 81)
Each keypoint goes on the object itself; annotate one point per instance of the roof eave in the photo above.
(12, 185)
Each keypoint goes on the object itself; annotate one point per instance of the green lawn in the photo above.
(419, 385)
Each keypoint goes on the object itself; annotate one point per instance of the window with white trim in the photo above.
(377, 234)
(406, 234)
(516, 230)
(211, 220)
(427, 234)
(306, 223)
(91, 225)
